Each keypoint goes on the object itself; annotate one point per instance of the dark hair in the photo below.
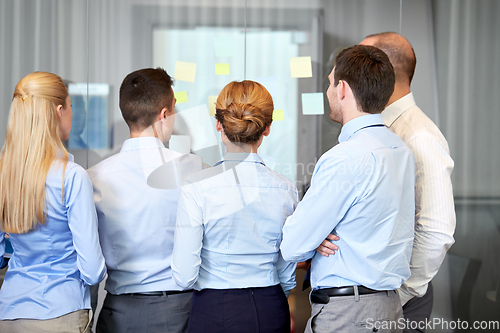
(400, 53)
(369, 73)
(244, 109)
(143, 94)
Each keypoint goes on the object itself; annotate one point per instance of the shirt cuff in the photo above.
(404, 297)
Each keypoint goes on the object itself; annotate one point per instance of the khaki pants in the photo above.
(73, 322)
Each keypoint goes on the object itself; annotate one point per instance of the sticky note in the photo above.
(181, 97)
(278, 115)
(301, 67)
(196, 123)
(313, 103)
(185, 71)
(224, 46)
(180, 143)
(211, 105)
(222, 69)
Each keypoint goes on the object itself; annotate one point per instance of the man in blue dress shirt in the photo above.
(362, 190)
(136, 193)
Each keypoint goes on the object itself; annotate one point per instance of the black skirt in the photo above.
(249, 310)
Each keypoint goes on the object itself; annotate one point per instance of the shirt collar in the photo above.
(241, 157)
(147, 142)
(359, 123)
(396, 109)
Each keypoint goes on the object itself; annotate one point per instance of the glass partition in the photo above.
(94, 44)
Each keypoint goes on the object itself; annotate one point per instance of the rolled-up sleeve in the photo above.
(82, 221)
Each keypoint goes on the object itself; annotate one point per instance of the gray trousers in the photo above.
(379, 312)
(144, 314)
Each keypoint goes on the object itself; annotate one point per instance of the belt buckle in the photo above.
(319, 298)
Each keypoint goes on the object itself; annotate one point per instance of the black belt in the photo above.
(322, 296)
(160, 293)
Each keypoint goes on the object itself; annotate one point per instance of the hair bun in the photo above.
(244, 122)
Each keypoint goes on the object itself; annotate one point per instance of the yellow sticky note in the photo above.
(301, 67)
(278, 115)
(221, 69)
(211, 105)
(185, 71)
(181, 97)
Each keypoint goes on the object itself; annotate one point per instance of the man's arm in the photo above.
(331, 194)
(435, 214)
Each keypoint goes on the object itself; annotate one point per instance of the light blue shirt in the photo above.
(229, 227)
(136, 193)
(363, 191)
(53, 265)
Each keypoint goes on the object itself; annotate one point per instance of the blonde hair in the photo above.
(244, 109)
(31, 146)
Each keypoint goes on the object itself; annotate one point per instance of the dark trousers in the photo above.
(248, 310)
(144, 314)
(419, 309)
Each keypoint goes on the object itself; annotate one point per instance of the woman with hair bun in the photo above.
(229, 226)
(47, 209)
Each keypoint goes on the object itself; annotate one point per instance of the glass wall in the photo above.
(289, 46)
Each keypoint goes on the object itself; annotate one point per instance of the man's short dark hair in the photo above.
(143, 94)
(370, 75)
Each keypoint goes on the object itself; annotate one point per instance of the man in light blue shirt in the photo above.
(362, 190)
(136, 193)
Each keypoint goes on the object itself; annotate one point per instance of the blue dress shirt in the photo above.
(229, 227)
(137, 211)
(53, 265)
(363, 191)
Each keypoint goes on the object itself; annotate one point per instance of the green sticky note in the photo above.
(211, 105)
(301, 67)
(222, 69)
(278, 115)
(224, 46)
(181, 97)
(313, 103)
(185, 71)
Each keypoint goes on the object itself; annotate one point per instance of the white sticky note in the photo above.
(313, 103)
(224, 46)
(301, 67)
(185, 71)
(211, 105)
(180, 143)
(196, 123)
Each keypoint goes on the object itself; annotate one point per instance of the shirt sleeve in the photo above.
(188, 238)
(3, 262)
(434, 214)
(82, 221)
(286, 270)
(332, 191)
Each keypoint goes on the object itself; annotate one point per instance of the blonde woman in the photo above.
(229, 226)
(47, 209)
